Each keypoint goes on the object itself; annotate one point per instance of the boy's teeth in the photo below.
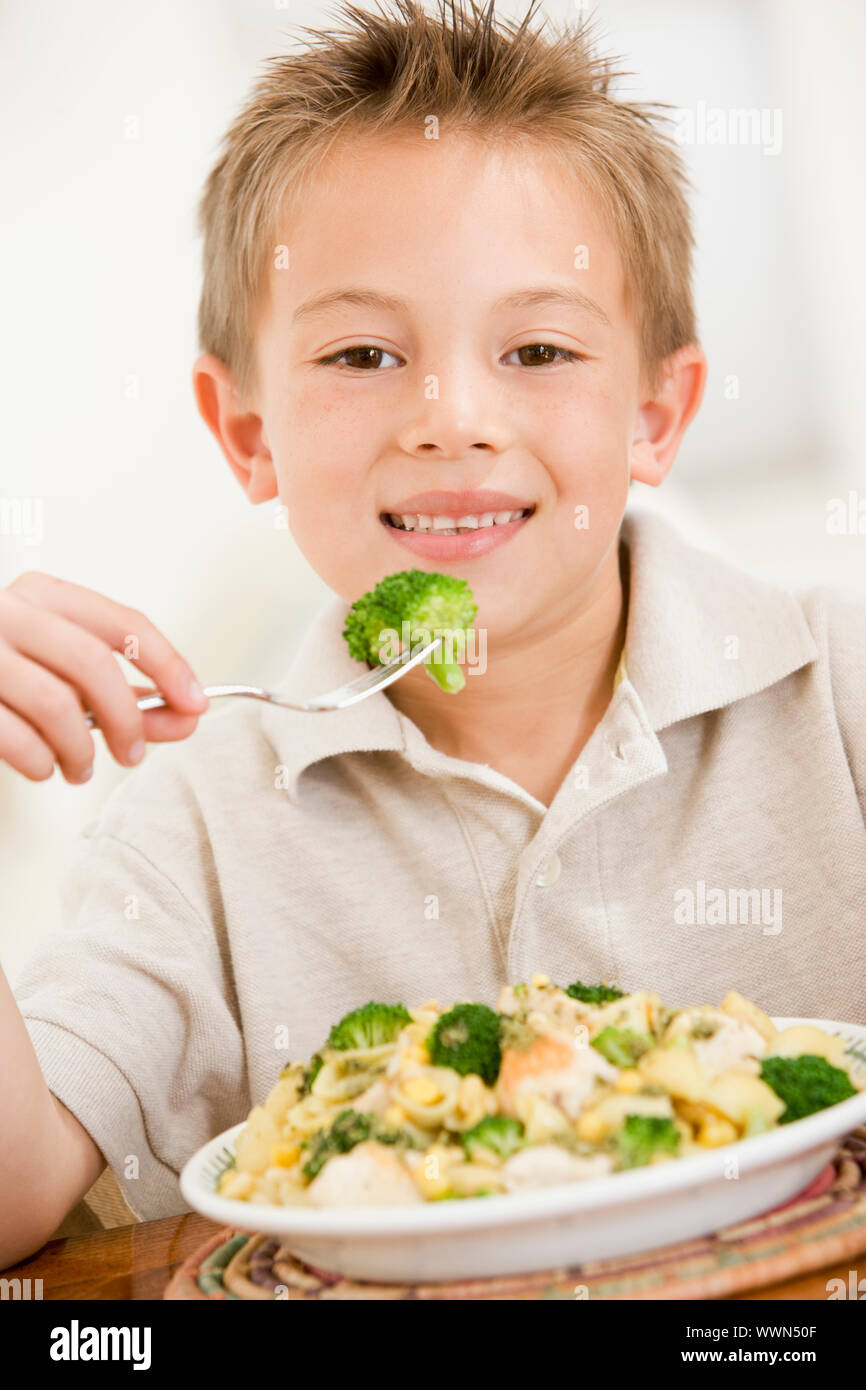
(448, 525)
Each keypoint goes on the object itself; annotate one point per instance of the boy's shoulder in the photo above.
(681, 568)
(837, 619)
(703, 631)
(837, 611)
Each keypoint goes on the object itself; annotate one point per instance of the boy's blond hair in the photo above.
(477, 74)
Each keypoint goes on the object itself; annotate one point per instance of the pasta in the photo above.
(557, 1084)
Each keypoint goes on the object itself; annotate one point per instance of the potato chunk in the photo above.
(677, 1071)
(802, 1037)
(734, 1095)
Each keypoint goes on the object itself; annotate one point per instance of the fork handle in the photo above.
(214, 692)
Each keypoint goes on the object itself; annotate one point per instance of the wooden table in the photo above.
(136, 1262)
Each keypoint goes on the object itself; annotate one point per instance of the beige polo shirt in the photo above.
(240, 891)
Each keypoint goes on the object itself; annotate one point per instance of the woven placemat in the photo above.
(824, 1224)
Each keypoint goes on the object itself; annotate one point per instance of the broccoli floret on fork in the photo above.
(422, 606)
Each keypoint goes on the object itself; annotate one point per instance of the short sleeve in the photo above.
(132, 1012)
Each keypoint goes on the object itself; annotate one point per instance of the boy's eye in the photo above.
(541, 354)
(366, 357)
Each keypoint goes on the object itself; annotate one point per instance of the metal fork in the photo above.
(343, 695)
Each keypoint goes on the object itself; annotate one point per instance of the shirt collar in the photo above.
(700, 634)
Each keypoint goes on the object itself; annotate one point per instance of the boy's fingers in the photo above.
(124, 629)
(22, 748)
(51, 707)
(165, 725)
(54, 647)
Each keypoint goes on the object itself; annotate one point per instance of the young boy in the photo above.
(446, 317)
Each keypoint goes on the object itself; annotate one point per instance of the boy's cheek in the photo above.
(322, 495)
(591, 483)
(344, 548)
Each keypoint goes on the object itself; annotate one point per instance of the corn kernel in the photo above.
(285, 1155)
(539, 981)
(629, 1081)
(432, 1174)
(422, 1089)
(591, 1127)
(430, 1187)
(716, 1132)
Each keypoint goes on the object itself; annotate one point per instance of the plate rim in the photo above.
(760, 1151)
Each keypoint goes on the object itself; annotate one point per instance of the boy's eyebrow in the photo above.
(359, 298)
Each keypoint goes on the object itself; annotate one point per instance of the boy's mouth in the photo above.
(456, 526)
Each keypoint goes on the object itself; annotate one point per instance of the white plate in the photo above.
(551, 1227)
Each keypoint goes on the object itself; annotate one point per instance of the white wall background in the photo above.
(99, 273)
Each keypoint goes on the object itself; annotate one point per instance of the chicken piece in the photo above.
(554, 1067)
(543, 1165)
(371, 1175)
(734, 1004)
(734, 1044)
(734, 1041)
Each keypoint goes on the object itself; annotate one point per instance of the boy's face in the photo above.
(449, 390)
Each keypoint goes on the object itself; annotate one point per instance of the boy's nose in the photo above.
(452, 429)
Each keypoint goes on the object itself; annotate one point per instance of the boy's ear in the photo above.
(239, 433)
(662, 421)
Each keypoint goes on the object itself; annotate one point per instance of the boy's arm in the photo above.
(128, 1015)
(47, 1159)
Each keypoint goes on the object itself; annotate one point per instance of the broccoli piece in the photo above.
(317, 1061)
(622, 1046)
(515, 1033)
(467, 1039)
(498, 1133)
(431, 605)
(704, 1028)
(370, 1026)
(806, 1083)
(642, 1136)
(594, 994)
(351, 1127)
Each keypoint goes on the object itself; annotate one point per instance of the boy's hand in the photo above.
(56, 663)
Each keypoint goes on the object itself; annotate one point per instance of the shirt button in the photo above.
(549, 872)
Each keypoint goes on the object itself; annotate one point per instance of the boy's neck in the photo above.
(536, 705)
